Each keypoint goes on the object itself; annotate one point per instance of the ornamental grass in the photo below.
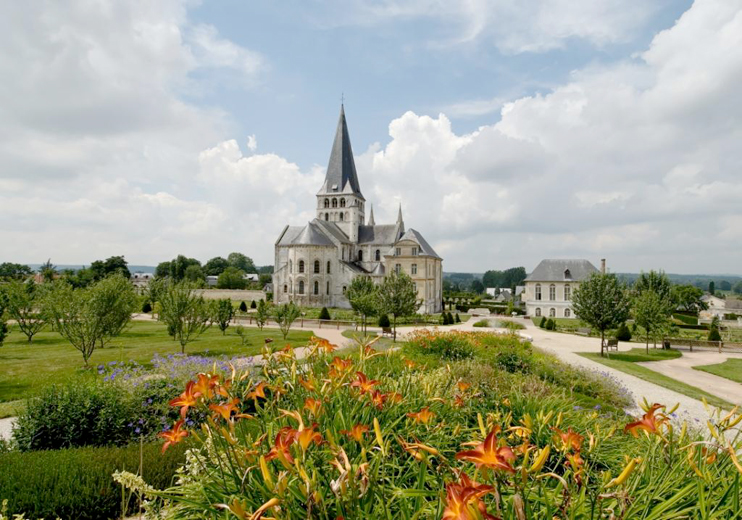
(385, 435)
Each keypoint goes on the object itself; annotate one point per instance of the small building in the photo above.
(549, 288)
(140, 280)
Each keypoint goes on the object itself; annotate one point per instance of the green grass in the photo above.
(730, 369)
(626, 362)
(25, 368)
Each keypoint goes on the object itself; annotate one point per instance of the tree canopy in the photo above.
(397, 297)
(601, 302)
(11, 271)
(362, 294)
(231, 278)
(506, 278)
(688, 298)
(242, 262)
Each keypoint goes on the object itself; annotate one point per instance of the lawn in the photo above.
(730, 369)
(25, 368)
(626, 362)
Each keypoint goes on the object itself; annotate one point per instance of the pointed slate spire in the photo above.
(341, 171)
(371, 221)
(400, 222)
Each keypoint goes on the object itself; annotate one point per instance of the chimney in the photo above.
(602, 265)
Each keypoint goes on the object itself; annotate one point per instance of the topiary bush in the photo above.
(146, 307)
(77, 483)
(243, 307)
(384, 321)
(481, 323)
(450, 318)
(714, 334)
(542, 323)
(550, 324)
(623, 333)
(324, 314)
(458, 318)
(253, 305)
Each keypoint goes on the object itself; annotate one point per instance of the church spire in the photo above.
(400, 222)
(341, 171)
(371, 221)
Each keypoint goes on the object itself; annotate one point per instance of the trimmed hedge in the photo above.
(685, 318)
(77, 483)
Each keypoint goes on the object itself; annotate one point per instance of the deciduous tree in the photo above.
(223, 314)
(262, 313)
(688, 298)
(23, 303)
(363, 298)
(242, 262)
(286, 315)
(652, 313)
(397, 296)
(231, 278)
(186, 314)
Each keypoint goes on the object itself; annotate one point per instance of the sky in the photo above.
(508, 131)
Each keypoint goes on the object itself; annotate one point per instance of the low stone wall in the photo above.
(236, 295)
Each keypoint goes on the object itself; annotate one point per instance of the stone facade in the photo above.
(314, 264)
(549, 288)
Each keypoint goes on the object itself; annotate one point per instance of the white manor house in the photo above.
(550, 286)
(315, 263)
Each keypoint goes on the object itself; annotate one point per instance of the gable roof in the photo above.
(558, 270)
(382, 234)
(333, 230)
(311, 235)
(341, 174)
(415, 236)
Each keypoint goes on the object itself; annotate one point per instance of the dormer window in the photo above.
(334, 187)
(567, 274)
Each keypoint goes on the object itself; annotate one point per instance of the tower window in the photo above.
(301, 266)
(328, 288)
(316, 266)
(414, 251)
(327, 216)
(316, 287)
(378, 255)
(285, 288)
(397, 251)
(341, 216)
(360, 255)
(328, 267)
(342, 203)
(397, 268)
(327, 203)
(301, 287)
(334, 203)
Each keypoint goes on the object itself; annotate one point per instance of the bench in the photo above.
(386, 331)
(611, 344)
(583, 331)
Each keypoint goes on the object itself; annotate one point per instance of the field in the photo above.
(729, 369)
(50, 358)
(626, 362)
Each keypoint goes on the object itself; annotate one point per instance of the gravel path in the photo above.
(5, 427)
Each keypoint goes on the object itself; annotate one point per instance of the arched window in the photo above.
(285, 288)
(301, 287)
(360, 255)
(328, 288)
(342, 203)
(334, 203)
(538, 311)
(301, 266)
(316, 266)
(327, 216)
(567, 293)
(327, 203)
(552, 292)
(378, 255)
(538, 291)
(552, 312)
(328, 267)
(567, 313)
(341, 216)
(316, 287)
(344, 288)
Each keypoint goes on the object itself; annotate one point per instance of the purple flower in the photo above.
(138, 430)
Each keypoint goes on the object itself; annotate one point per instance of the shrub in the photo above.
(450, 345)
(450, 318)
(444, 319)
(253, 305)
(685, 318)
(623, 333)
(384, 321)
(514, 358)
(481, 323)
(542, 323)
(324, 314)
(714, 334)
(458, 318)
(146, 307)
(77, 482)
(243, 307)
(550, 324)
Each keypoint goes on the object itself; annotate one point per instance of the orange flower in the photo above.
(173, 436)
(394, 397)
(307, 435)
(649, 423)
(488, 454)
(570, 440)
(226, 409)
(415, 449)
(423, 416)
(378, 399)
(205, 385)
(323, 344)
(314, 406)
(281, 446)
(223, 389)
(410, 364)
(363, 383)
(338, 366)
(463, 500)
(356, 432)
(186, 399)
(462, 386)
(258, 391)
(307, 384)
(458, 401)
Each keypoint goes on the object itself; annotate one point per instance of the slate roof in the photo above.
(341, 174)
(381, 234)
(415, 236)
(311, 235)
(555, 270)
(333, 229)
(289, 234)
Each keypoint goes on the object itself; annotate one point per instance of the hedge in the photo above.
(685, 318)
(76, 483)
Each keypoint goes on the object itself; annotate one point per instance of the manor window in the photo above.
(301, 287)
(378, 255)
(567, 293)
(316, 287)
(334, 203)
(414, 268)
(397, 251)
(414, 251)
(552, 312)
(342, 203)
(328, 267)
(552, 292)
(397, 268)
(538, 311)
(538, 292)
(327, 203)
(316, 266)
(567, 313)
(301, 266)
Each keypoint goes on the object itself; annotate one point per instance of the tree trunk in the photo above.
(647, 337)
(602, 343)
(394, 325)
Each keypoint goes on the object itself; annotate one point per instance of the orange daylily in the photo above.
(423, 416)
(226, 409)
(463, 500)
(306, 436)
(307, 384)
(410, 364)
(363, 383)
(258, 391)
(174, 435)
(415, 449)
(223, 389)
(570, 440)
(339, 366)
(378, 399)
(205, 384)
(314, 406)
(649, 423)
(186, 399)
(458, 401)
(356, 432)
(281, 446)
(322, 343)
(463, 386)
(489, 454)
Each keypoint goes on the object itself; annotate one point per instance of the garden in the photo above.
(453, 425)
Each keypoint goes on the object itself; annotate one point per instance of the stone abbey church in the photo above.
(315, 263)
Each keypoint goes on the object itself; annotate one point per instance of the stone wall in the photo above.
(237, 295)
